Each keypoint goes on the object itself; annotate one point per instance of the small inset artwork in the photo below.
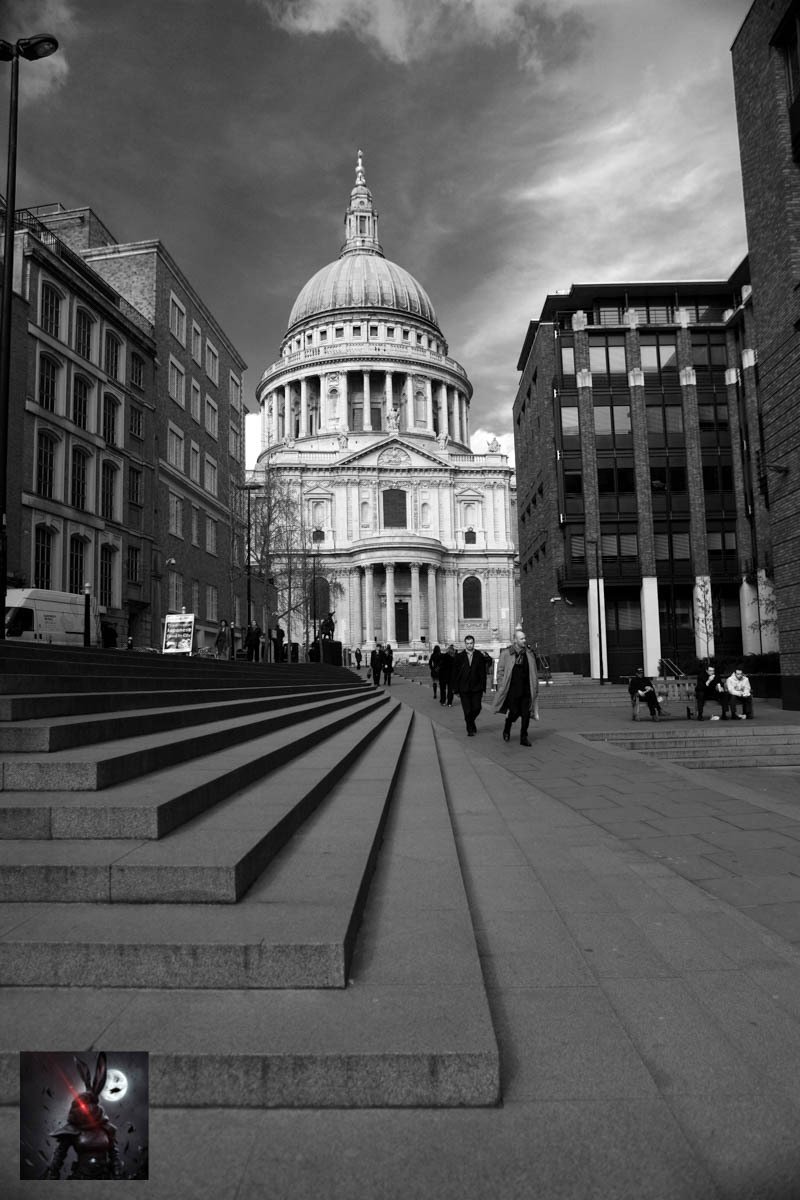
(84, 1114)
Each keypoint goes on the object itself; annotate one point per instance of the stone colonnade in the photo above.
(355, 400)
(404, 602)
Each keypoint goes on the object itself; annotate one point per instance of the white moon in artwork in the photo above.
(116, 1086)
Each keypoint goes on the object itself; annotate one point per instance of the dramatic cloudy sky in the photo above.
(513, 147)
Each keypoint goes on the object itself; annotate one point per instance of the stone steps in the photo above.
(733, 744)
(66, 732)
(227, 933)
(134, 756)
(214, 859)
(43, 705)
(176, 794)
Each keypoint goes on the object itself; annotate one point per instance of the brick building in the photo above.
(81, 433)
(766, 70)
(198, 418)
(644, 532)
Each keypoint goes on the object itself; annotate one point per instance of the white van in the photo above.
(50, 618)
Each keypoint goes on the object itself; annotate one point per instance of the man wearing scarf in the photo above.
(517, 687)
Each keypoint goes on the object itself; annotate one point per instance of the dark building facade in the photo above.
(198, 426)
(126, 431)
(766, 70)
(643, 526)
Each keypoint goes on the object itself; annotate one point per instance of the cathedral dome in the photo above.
(361, 277)
(362, 280)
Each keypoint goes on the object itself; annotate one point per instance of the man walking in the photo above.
(517, 687)
(469, 680)
(376, 663)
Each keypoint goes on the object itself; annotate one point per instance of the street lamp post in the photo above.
(596, 543)
(249, 565)
(39, 46)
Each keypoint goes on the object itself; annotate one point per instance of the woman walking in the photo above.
(222, 642)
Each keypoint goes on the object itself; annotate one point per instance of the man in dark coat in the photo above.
(252, 642)
(446, 664)
(469, 680)
(376, 663)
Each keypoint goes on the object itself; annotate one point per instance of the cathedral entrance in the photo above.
(401, 620)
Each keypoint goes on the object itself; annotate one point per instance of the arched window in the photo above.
(108, 487)
(365, 512)
(110, 410)
(394, 509)
(77, 563)
(51, 310)
(420, 407)
(43, 557)
(106, 589)
(83, 333)
(318, 514)
(473, 597)
(80, 401)
(45, 465)
(469, 515)
(48, 382)
(425, 514)
(111, 356)
(79, 478)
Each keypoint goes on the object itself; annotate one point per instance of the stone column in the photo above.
(415, 617)
(344, 423)
(367, 410)
(356, 618)
(389, 396)
(596, 632)
(287, 411)
(390, 630)
(703, 617)
(456, 417)
(304, 407)
(433, 623)
(749, 611)
(429, 405)
(276, 428)
(465, 418)
(444, 421)
(408, 388)
(369, 605)
(651, 630)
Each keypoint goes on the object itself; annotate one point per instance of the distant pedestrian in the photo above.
(222, 642)
(446, 666)
(739, 692)
(376, 663)
(517, 687)
(434, 664)
(388, 664)
(469, 680)
(358, 658)
(252, 642)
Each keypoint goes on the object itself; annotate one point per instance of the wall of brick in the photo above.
(771, 180)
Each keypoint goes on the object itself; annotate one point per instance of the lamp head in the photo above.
(41, 45)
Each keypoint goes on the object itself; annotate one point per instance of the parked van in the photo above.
(52, 618)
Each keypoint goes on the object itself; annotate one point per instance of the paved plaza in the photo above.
(639, 931)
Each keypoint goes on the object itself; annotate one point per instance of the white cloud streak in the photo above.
(406, 31)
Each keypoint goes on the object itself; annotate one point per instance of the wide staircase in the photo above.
(711, 745)
(187, 851)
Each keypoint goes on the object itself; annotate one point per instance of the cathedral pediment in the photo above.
(395, 454)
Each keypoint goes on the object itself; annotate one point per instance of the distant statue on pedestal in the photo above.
(442, 440)
(327, 627)
(392, 420)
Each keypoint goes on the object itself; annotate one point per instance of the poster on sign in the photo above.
(178, 633)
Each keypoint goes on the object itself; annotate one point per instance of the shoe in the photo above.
(523, 741)
(715, 718)
(470, 733)
(741, 717)
(506, 736)
(449, 704)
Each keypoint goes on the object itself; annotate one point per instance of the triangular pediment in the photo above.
(395, 454)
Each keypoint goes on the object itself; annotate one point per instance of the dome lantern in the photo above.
(361, 219)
